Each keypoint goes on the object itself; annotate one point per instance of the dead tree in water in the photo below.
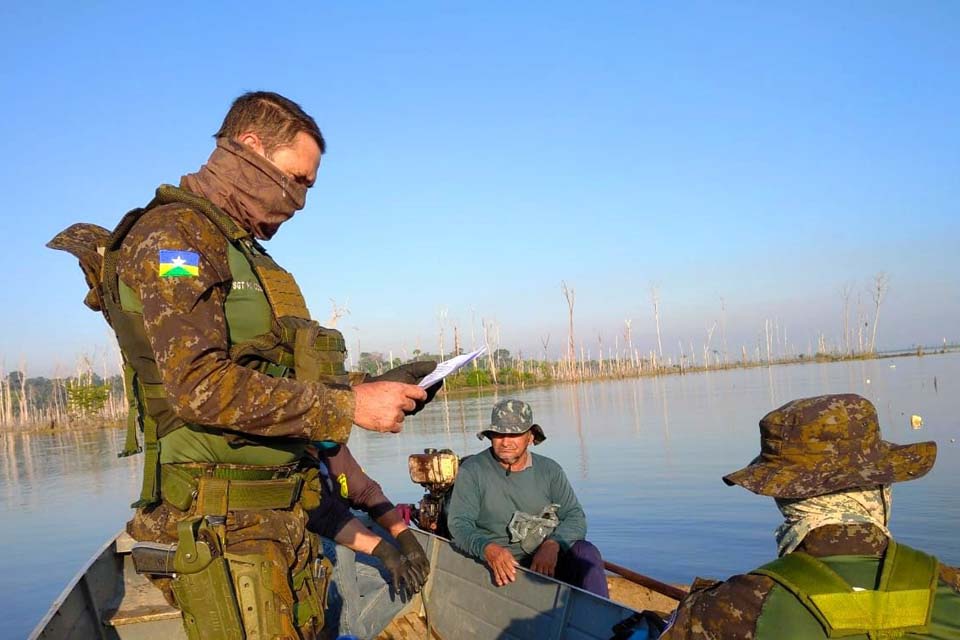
(336, 312)
(655, 296)
(24, 414)
(570, 295)
(706, 345)
(442, 318)
(4, 396)
(544, 342)
(845, 292)
(881, 282)
(723, 327)
(491, 362)
(600, 344)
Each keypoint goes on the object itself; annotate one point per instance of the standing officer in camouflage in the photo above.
(511, 507)
(840, 573)
(230, 378)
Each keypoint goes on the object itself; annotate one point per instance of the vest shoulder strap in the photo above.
(904, 600)
(139, 391)
(169, 194)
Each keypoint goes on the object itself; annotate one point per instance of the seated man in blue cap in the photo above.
(511, 507)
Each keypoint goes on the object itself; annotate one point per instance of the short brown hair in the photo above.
(277, 120)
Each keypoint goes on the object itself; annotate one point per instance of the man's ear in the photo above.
(253, 141)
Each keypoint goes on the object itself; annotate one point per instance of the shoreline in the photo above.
(462, 391)
(480, 391)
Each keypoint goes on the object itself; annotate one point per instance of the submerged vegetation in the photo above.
(86, 399)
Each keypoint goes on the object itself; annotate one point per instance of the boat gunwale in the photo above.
(80, 576)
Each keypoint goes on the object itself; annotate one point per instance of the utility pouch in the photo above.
(177, 487)
(529, 530)
(202, 586)
(154, 558)
(310, 587)
(310, 494)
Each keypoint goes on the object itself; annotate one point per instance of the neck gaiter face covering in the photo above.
(869, 506)
(248, 187)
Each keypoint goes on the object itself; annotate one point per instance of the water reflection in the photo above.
(578, 419)
(645, 457)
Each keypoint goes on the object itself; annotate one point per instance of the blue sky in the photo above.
(480, 153)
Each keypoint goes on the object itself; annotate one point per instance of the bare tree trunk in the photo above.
(545, 342)
(655, 297)
(3, 396)
(881, 282)
(706, 346)
(570, 295)
(766, 328)
(845, 292)
(490, 361)
(860, 325)
(7, 399)
(442, 319)
(723, 327)
(336, 312)
(24, 409)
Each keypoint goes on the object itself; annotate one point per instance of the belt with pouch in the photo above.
(223, 488)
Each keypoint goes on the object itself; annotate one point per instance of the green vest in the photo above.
(264, 310)
(858, 598)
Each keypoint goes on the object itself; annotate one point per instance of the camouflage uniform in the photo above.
(819, 453)
(238, 419)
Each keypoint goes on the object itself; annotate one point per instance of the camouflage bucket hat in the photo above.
(513, 416)
(819, 445)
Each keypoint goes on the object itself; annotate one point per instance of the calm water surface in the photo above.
(645, 457)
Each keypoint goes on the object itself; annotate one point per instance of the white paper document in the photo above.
(447, 367)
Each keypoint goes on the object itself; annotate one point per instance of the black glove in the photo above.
(412, 373)
(413, 552)
(399, 568)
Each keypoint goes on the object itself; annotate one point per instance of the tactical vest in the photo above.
(898, 596)
(264, 318)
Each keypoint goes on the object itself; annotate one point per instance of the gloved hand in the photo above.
(415, 555)
(400, 570)
(412, 373)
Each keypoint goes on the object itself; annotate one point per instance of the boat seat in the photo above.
(138, 601)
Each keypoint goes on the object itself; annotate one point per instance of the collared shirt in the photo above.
(486, 496)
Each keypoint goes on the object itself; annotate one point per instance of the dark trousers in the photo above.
(582, 566)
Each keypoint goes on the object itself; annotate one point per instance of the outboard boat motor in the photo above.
(435, 471)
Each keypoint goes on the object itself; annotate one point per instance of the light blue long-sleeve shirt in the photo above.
(485, 498)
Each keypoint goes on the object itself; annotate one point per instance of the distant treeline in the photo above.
(502, 369)
(88, 399)
(60, 402)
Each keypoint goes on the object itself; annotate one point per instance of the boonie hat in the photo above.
(513, 416)
(813, 446)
